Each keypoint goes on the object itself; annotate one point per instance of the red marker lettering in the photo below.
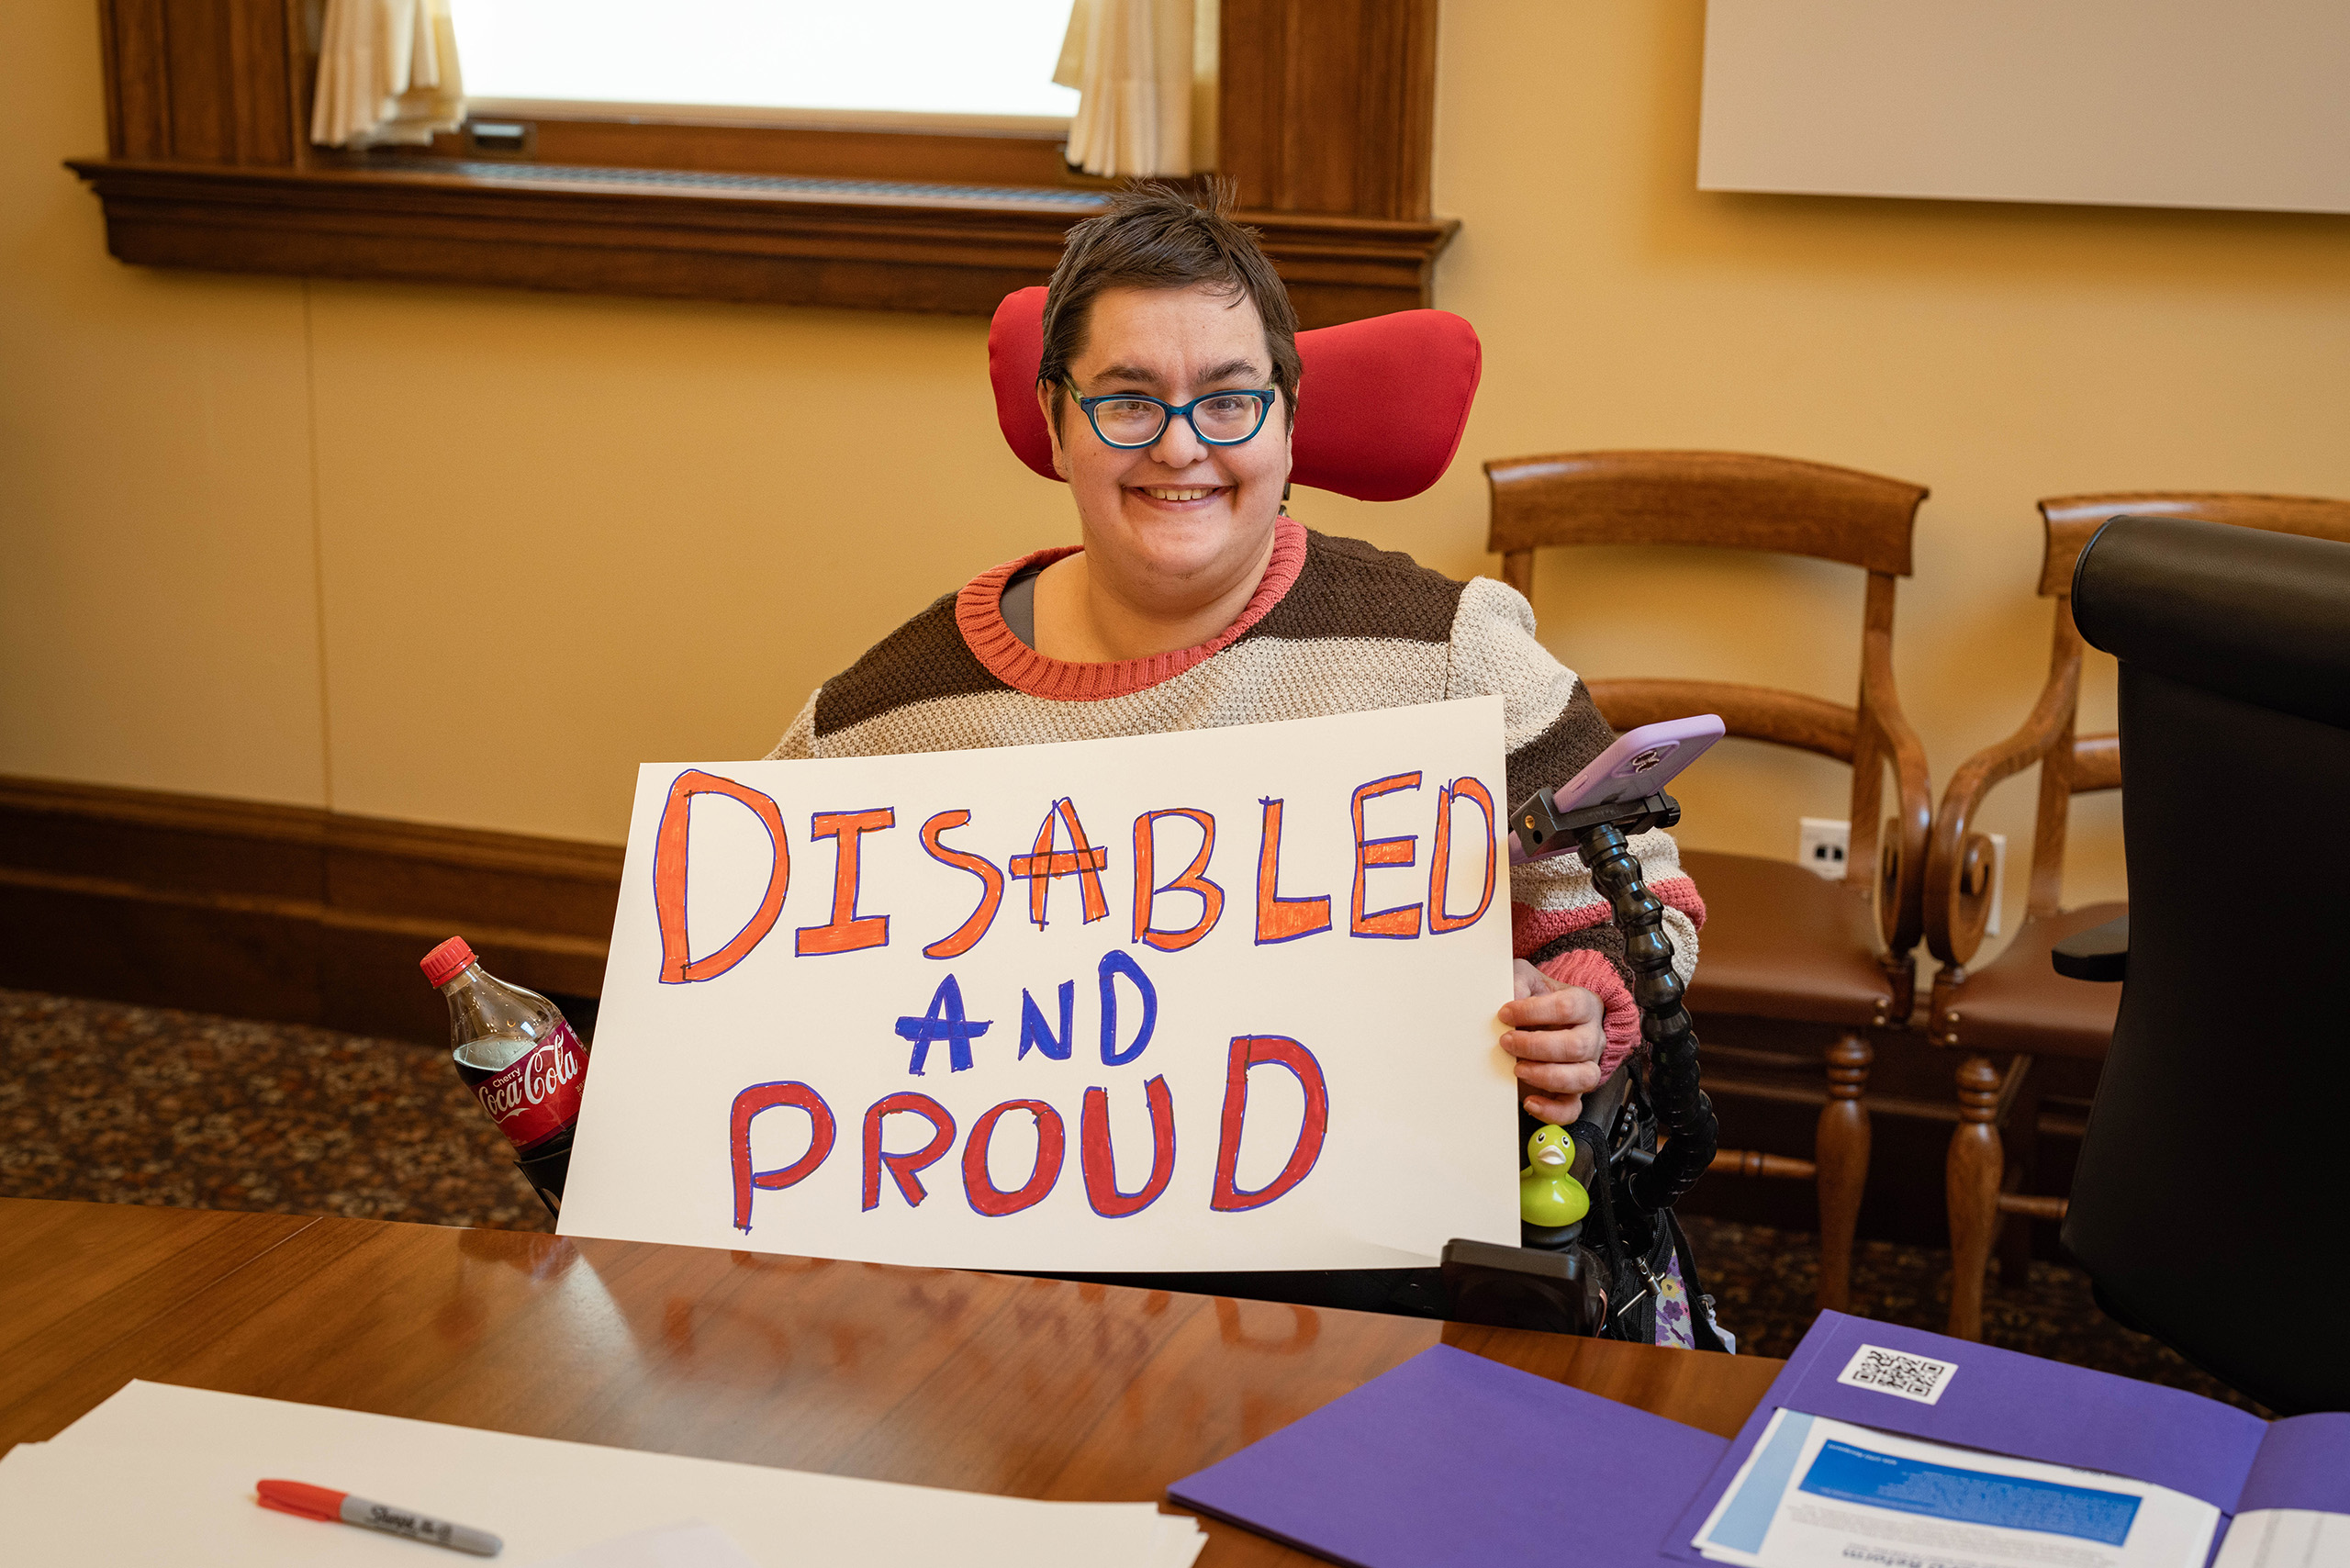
(1099, 1165)
(1051, 1143)
(905, 1170)
(769, 1097)
(1278, 1050)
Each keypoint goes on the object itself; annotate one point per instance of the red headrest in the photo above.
(1379, 416)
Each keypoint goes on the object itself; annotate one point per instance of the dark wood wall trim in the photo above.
(208, 81)
(779, 241)
(1329, 106)
(283, 913)
(1327, 113)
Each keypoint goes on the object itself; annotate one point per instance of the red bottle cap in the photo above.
(442, 965)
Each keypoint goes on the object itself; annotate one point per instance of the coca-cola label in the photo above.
(537, 1096)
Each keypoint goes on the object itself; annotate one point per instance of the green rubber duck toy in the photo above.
(1548, 1194)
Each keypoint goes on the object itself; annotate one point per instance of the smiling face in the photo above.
(1177, 523)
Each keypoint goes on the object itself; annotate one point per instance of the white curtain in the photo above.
(1146, 69)
(388, 73)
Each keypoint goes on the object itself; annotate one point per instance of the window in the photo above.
(795, 59)
(1325, 113)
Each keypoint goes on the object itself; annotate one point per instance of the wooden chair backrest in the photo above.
(1736, 502)
(2073, 519)
(1729, 499)
(2078, 764)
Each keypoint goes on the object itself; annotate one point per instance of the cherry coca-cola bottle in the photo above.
(519, 1058)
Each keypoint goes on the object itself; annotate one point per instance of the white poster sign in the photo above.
(1216, 1000)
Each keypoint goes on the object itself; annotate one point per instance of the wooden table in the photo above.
(1035, 1388)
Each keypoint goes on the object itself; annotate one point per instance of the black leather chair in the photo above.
(2211, 1203)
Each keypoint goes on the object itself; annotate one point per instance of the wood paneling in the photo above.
(201, 80)
(137, 82)
(283, 913)
(1345, 268)
(1329, 106)
(1327, 128)
(1035, 1388)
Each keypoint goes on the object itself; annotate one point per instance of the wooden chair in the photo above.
(2017, 1006)
(1780, 942)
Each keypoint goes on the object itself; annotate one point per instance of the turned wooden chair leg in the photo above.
(1841, 1150)
(1972, 1188)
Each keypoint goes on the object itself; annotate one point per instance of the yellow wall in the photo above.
(314, 542)
(158, 599)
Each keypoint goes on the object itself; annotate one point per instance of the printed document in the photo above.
(1820, 1492)
(2286, 1538)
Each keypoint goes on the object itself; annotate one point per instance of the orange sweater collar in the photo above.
(978, 613)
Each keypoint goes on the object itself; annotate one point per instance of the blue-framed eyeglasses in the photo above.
(1130, 420)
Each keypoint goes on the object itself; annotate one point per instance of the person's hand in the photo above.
(1554, 1032)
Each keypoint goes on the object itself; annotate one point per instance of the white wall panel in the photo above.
(2139, 103)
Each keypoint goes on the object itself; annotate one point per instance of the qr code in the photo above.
(1920, 1378)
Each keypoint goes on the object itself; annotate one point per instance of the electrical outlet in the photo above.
(1822, 845)
(1999, 881)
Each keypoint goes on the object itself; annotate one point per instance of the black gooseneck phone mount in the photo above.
(1644, 1138)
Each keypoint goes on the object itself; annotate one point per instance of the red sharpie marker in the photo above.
(344, 1507)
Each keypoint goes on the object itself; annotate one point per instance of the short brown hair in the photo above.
(1157, 236)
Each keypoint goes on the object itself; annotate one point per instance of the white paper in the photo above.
(1417, 1144)
(1798, 1502)
(1177, 1543)
(2286, 1538)
(195, 1456)
(689, 1544)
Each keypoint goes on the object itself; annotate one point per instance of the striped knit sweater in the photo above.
(1335, 627)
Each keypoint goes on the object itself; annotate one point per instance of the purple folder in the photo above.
(2004, 1402)
(1453, 1459)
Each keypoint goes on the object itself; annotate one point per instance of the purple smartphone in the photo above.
(1640, 763)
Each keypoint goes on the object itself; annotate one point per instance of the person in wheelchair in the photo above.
(1170, 383)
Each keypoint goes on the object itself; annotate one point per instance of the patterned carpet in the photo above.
(118, 1105)
(1766, 1282)
(113, 1104)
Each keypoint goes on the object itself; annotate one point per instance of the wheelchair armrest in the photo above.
(2100, 953)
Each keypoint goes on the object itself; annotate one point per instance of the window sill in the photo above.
(866, 244)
